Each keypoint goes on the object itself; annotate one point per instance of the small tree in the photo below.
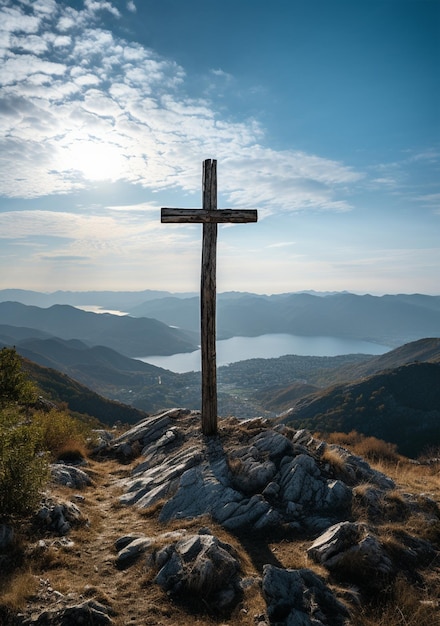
(14, 385)
(23, 463)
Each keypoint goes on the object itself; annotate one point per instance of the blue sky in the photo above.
(323, 115)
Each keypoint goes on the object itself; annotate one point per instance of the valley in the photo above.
(95, 351)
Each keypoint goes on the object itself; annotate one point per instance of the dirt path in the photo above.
(82, 566)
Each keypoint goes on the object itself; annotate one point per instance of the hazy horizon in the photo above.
(327, 123)
(219, 293)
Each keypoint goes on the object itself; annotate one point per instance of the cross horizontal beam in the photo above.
(208, 216)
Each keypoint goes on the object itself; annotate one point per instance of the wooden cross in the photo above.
(209, 216)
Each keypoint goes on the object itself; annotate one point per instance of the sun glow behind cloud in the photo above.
(95, 161)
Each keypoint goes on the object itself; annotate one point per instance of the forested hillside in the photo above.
(401, 406)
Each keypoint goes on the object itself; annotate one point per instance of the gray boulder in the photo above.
(199, 564)
(300, 598)
(101, 439)
(151, 429)
(131, 547)
(59, 516)
(250, 473)
(132, 551)
(69, 475)
(360, 471)
(302, 483)
(350, 549)
(152, 482)
(195, 564)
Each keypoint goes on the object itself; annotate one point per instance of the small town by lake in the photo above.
(267, 347)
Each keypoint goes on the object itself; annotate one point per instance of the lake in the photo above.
(267, 347)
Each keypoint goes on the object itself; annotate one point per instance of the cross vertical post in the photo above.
(208, 297)
(209, 216)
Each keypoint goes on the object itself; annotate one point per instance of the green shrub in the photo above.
(29, 439)
(60, 432)
(23, 469)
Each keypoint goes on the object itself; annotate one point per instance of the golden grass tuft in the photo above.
(335, 460)
(234, 465)
(72, 451)
(370, 448)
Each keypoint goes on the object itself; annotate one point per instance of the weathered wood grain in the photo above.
(205, 216)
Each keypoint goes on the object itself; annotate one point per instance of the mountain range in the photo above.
(390, 319)
(114, 300)
(128, 335)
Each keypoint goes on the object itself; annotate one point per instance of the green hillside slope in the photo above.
(401, 406)
(59, 388)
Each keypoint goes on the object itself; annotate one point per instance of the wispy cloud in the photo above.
(431, 200)
(282, 244)
(15, 224)
(82, 104)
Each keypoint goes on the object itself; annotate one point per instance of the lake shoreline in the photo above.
(267, 346)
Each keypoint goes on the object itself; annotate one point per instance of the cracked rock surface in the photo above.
(264, 478)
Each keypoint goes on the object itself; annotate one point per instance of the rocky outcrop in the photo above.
(263, 478)
(264, 484)
(135, 440)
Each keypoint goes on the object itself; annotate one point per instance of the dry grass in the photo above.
(72, 450)
(402, 604)
(235, 465)
(413, 599)
(370, 448)
(18, 589)
(335, 461)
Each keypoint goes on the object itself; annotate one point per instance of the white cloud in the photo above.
(101, 5)
(98, 229)
(101, 95)
(66, 22)
(19, 68)
(14, 20)
(30, 43)
(61, 41)
(44, 7)
(219, 73)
